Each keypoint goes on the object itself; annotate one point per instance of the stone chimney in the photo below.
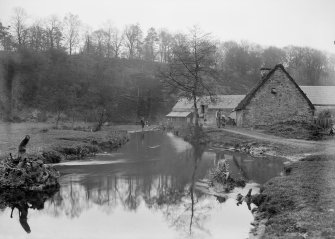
(265, 71)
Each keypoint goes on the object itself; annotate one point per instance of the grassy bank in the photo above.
(297, 130)
(55, 145)
(302, 203)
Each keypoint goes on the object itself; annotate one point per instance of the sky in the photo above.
(266, 22)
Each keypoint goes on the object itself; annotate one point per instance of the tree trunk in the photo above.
(100, 121)
(196, 115)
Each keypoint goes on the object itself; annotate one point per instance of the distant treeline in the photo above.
(62, 67)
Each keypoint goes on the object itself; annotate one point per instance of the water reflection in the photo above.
(149, 193)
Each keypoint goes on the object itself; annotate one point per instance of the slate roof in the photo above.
(221, 102)
(252, 93)
(183, 104)
(178, 114)
(224, 101)
(320, 95)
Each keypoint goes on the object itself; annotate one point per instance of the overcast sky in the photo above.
(267, 22)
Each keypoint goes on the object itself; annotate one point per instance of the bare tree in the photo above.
(37, 37)
(108, 39)
(53, 28)
(151, 45)
(87, 38)
(191, 69)
(133, 36)
(99, 37)
(71, 31)
(117, 41)
(165, 45)
(19, 25)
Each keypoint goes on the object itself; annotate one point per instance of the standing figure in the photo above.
(218, 118)
(142, 123)
(223, 120)
(331, 132)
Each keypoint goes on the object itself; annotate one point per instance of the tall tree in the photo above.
(165, 45)
(273, 56)
(109, 31)
(71, 32)
(308, 66)
(117, 42)
(6, 39)
(99, 38)
(151, 45)
(133, 36)
(88, 41)
(191, 69)
(19, 26)
(53, 28)
(37, 37)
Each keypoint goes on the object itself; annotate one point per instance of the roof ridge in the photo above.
(253, 91)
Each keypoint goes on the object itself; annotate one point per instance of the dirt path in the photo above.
(275, 139)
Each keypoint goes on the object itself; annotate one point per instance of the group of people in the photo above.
(220, 119)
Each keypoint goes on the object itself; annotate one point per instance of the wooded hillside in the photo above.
(60, 67)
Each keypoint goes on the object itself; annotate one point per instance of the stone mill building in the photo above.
(276, 98)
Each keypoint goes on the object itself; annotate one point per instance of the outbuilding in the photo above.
(322, 97)
(179, 118)
(182, 112)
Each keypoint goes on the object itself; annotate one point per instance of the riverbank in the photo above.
(299, 204)
(260, 144)
(56, 145)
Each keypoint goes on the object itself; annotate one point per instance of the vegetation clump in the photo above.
(296, 130)
(25, 172)
(28, 174)
(221, 179)
(193, 134)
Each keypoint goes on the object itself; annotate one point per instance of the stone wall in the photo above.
(277, 100)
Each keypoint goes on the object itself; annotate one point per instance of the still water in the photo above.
(147, 189)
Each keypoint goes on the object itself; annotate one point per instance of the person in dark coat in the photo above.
(142, 123)
(218, 118)
(331, 132)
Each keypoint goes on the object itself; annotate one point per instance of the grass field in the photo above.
(43, 137)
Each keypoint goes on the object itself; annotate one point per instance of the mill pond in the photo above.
(150, 188)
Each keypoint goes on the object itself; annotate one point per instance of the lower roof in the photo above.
(320, 95)
(179, 114)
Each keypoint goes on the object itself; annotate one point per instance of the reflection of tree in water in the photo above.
(132, 198)
(191, 211)
(166, 185)
(23, 201)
